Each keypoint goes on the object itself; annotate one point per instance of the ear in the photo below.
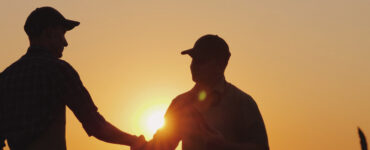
(221, 64)
(48, 32)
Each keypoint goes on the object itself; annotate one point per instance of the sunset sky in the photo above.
(305, 62)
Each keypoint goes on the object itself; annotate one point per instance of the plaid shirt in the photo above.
(33, 94)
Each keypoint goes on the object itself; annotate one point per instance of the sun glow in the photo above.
(152, 119)
(155, 121)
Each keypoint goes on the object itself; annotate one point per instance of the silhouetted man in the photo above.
(35, 90)
(214, 114)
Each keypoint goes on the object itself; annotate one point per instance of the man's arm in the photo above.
(95, 124)
(166, 138)
(111, 134)
(169, 136)
(78, 99)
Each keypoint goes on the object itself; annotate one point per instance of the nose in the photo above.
(65, 43)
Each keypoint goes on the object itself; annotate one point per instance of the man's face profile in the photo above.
(204, 69)
(56, 40)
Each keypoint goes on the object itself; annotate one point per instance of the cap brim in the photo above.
(187, 52)
(70, 24)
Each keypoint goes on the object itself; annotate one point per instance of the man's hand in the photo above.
(139, 144)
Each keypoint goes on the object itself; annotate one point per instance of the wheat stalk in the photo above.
(362, 139)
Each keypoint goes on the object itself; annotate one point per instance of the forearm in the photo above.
(164, 139)
(94, 124)
(111, 134)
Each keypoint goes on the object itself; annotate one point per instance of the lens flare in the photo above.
(202, 95)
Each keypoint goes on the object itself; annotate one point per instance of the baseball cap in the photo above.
(209, 46)
(44, 17)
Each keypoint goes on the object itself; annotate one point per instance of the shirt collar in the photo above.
(219, 87)
(217, 90)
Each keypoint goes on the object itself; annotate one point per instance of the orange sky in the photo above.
(306, 63)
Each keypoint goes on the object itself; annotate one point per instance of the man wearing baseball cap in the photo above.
(214, 114)
(35, 90)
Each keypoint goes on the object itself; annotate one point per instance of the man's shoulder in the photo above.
(183, 97)
(244, 102)
(57, 65)
(182, 100)
(240, 96)
(65, 65)
(33, 65)
(41, 61)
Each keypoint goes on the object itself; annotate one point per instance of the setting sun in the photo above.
(155, 120)
(150, 119)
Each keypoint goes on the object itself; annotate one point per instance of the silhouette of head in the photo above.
(210, 56)
(46, 27)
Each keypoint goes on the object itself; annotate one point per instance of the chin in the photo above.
(59, 55)
(195, 79)
(60, 52)
(198, 80)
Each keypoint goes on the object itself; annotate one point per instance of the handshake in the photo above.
(211, 139)
(178, 125)
(139, 143)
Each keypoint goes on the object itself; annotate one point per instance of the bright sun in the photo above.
(155, 120)
(152, 119)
